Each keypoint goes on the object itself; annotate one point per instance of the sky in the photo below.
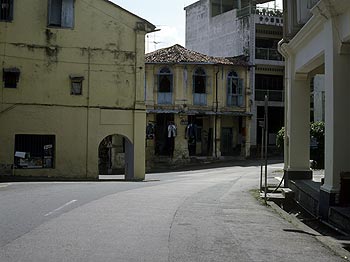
(169, 16)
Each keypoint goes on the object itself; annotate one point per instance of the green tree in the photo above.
(317, 131)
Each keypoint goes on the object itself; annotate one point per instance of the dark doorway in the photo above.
(226, 141)
(164, 145)
(115, 156)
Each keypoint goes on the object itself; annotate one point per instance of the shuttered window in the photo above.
(61, 13)
(235, 90)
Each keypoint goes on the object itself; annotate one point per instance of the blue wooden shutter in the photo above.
(10, 17)
(67, 17)
(55, 12)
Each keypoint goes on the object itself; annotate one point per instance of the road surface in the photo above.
(203, 215)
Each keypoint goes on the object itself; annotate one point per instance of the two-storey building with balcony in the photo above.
(197, 106)
(226, 28)
(317, 41)
(72, 95)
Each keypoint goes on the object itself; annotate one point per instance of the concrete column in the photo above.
(247, 136)
(298, 127)
(140, 67)
(181, 147)
(217, 136)
(337, 126)
(139, 144)
(177, 85)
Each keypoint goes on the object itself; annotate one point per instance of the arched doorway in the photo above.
(115, 158)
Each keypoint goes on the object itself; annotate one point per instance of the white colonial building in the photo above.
(317, 41)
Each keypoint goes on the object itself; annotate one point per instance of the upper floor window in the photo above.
(61, 13)
(199, 81)
(10, 77)
(234, 90)
(222, 6)
(6, 10)
(165, 80)
(76, 84)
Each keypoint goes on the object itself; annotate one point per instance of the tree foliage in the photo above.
(317, 132)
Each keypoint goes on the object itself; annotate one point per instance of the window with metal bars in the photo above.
(76, 84)
(34, 151)
(6, 10)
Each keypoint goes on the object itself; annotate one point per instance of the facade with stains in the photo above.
(226, 28)
(72, 85)
(197, 106)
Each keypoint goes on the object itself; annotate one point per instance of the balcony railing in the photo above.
(268, 54)
(273, 95)
(263, 11)
(165, 98)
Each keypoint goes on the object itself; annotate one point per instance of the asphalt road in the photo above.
(203, 215)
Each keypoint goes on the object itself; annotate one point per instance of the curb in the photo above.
(329, 242)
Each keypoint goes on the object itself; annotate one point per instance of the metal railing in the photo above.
(268, 54)
(273, 95)
(248, 10)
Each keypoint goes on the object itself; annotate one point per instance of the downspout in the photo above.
(87, 113)
(216, 112)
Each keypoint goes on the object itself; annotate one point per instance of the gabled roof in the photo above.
(178, 54)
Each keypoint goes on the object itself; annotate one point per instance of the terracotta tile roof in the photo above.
(178, 54)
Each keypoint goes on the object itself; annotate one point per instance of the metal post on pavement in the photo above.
(266, 129)
(261, 124)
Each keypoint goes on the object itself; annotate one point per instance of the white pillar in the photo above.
(337, 124)
(297, 143)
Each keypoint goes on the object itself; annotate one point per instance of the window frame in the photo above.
(199, 72)
(76, 79)
(13, 72)
(9, 17)
(65, 12)
(31, 155)
(165, 72)
(232, 77)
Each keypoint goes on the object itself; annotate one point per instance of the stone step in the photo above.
(272, 196)
(340, 218)
(287, 193)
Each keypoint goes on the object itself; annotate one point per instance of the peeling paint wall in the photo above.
(106, 48)
(182, 104)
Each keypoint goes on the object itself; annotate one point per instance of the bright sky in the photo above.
(169, 16)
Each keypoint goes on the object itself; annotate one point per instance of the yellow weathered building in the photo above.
(72, 76)
(204, 98)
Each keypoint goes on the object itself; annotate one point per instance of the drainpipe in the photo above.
(216, 111)
(88, 113)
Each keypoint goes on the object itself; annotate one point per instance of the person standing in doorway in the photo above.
(171, 137)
